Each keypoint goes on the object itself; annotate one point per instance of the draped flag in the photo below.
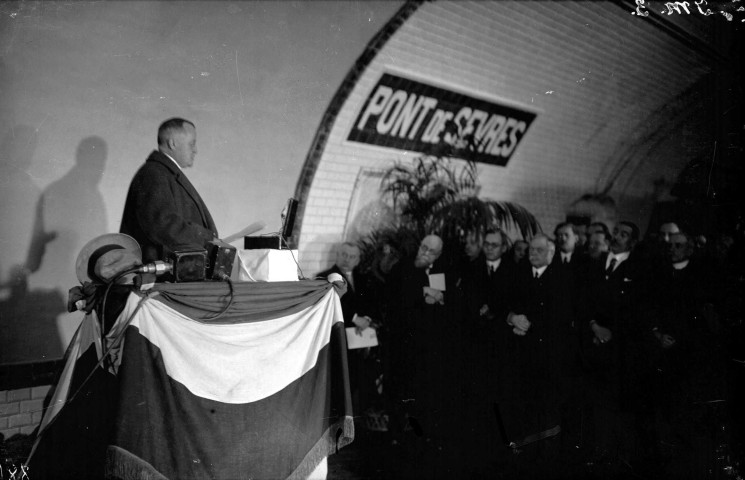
(257, 391)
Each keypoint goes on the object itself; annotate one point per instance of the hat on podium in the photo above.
(107, 256)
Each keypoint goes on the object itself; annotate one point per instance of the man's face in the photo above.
(566, 238)
(622, 239)
(541, 252)
(521, 249)
(429, 251)
(347, 257)
(472, 247)
(494, 247)
(667, 229)
(184, 146)
(597, 245)
(582, 234)
(679, 248)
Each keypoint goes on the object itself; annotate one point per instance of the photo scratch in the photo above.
(238, 77)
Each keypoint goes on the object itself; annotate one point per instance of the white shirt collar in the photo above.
(494, 263)
(566, 256)
(539, 270)
(680, 265)
(173, 160)
(620, 257)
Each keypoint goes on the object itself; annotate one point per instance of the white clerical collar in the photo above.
(539, 270)
(494, 263)
(680, 265)
(173, 160)
(620, 257)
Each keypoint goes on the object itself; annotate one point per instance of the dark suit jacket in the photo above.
(536, 368)
(357, 299)
(550, 346)
(479, 287)
(164, 212)
(618, 301)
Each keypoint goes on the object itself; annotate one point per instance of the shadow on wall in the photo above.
(46, 231)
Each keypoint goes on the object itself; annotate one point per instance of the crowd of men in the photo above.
(590, 343)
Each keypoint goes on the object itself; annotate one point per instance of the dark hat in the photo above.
(106, 256)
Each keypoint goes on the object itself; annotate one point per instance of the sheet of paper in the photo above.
(437, 281)
(368, 338)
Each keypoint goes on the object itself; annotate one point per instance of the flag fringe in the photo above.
(337, 436)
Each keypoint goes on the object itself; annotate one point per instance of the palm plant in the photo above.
(433, 194)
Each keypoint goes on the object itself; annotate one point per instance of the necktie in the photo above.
(491, 270)
(535, 274)
(350, 280)
(611, 266)
(566, 260)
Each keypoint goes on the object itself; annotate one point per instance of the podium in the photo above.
(261, 391)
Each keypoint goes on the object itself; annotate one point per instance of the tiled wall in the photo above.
(593, 110)
(21, 410)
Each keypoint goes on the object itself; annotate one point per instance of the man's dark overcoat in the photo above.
(164, 212)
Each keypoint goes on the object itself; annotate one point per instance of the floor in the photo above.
(374, 456)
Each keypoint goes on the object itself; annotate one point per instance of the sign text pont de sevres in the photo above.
(409, 115)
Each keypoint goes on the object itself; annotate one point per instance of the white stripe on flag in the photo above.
(236, 363)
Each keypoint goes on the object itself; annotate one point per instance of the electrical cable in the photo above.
(284, 240)
(227, 279)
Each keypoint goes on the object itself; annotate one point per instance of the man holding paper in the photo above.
(423, 328)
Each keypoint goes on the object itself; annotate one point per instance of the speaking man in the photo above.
(163, 211)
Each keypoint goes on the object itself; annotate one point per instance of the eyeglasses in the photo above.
(428, 251)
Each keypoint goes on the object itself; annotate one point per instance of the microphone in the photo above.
(158, 267)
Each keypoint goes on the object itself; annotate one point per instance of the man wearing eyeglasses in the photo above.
(484, 285)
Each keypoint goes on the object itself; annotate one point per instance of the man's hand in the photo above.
(602, 334)
(666, 341)
(520, 322)
(361, 323)
(484, 311)
(432, 296)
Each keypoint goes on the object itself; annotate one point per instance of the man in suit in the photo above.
(163, 210)
(686, 361)
(484, 283)
(359, 311)
(566, 240)
(540, 353)
(423, 376)
(614, 306)
(356, 307)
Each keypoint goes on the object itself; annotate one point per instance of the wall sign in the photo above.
(409, 115)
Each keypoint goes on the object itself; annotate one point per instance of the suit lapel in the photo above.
(183, 180)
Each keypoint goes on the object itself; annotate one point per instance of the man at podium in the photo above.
(163, 210)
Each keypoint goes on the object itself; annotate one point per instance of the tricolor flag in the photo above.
(258, 391)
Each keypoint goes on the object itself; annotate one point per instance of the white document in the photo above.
(437, 281)
(368, 338)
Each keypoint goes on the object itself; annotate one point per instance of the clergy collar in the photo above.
(680, 265)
